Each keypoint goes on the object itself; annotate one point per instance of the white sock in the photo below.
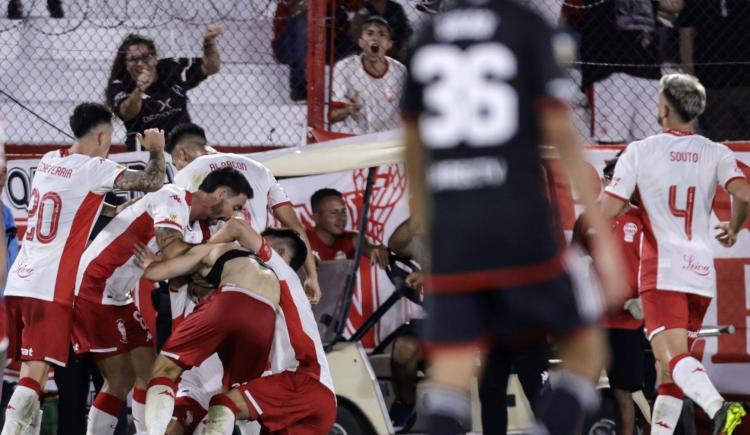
(138, 409)
(100, 422)
(21, 410)
(159, 405)
(220, 421)
(36, 425)
(667, 410)
(690, 375)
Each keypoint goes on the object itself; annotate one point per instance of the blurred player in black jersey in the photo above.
(484, 91)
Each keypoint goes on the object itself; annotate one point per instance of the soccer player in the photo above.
(191, 155)
(67, 194)
(484, 91)
(107, 325)
(236, 322)
(298, 395)
(676, 174)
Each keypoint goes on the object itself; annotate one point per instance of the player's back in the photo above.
(676, 176)
(266, 190)
(67, 194)
(478, 74)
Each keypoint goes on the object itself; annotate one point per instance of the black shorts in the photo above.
(626, 368)
(554, 307)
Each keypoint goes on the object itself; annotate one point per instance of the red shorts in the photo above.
(235, 323)
(290, 403)
(663, 309)
(108, 330)
(38, 330)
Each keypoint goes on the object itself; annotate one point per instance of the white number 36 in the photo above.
(467, 94)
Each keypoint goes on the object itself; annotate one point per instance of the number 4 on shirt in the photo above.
(684, 213)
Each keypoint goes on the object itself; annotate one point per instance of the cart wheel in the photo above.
(350, 422)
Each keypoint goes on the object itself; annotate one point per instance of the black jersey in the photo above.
(477, 75)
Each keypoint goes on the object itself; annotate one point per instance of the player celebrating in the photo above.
(67, 194)
(298, 396)
(676, 173)
(234, 322)
(107, 324)
(483, 93)
(191, 155)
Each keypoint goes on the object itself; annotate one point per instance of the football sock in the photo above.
(448, 410)
(667, 409)
(690, 375)
(103, 414)
(22, 407)
(562, 410)
(159, 405)
(221, 416)
(139, 410)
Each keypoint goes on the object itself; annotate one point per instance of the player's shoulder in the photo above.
(349, 64)
(396, 66)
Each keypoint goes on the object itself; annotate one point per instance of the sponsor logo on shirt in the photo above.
(23, 270)
(692, 265)
(27, 352)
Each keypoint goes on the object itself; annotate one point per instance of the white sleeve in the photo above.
(102, 174)
(728, 170)
(202, 382)
(169, 209)
(624, 180)
(276, 194)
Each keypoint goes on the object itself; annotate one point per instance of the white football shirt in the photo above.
(381, 95)
(675, 175)
(267, 193)
(108, 272)
(67, 194)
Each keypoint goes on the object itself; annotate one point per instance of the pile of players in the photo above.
(249, 351)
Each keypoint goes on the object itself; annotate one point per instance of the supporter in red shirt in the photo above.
(624, 326)
(329, 239)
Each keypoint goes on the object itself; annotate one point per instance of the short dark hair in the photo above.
(377, 19)
(229, 178)
(293, 241)
(182, 130)
(322, 194)
(86, 116)
(609, 166)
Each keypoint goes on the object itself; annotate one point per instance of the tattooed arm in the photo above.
(170, 242)
(151, 178)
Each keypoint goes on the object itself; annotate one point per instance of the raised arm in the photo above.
(151, 178)
(237, 230)
(211, 58)
(158, 270)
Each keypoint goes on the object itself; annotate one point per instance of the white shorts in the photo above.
(624, 109)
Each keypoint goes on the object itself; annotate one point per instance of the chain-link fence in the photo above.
(49, 65)
(624, 46)
(268, 51)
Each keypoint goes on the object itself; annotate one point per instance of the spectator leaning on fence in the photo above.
(148, 93)
(367, 87)
(394, 14)
(715, 47)
(622, 63)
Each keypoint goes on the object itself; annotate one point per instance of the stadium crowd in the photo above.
(241, 347)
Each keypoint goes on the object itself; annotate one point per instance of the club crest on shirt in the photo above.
(122, 330)
(629, 230)
(390, 94)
